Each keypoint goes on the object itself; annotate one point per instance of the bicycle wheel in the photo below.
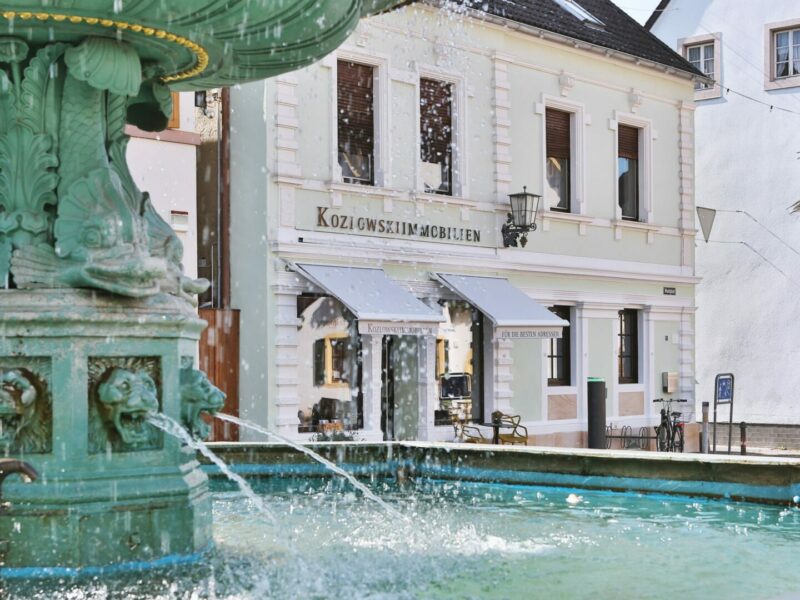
(609, 433)
(677, 444)
(662, 439)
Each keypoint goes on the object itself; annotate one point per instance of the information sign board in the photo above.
(723, 394)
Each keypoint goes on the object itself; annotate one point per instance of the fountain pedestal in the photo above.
(82, 368)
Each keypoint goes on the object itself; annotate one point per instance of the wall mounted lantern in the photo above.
(521, 219)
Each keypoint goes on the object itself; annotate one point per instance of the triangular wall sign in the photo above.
(706, 216)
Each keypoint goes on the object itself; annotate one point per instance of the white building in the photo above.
(747, 169)
(368, 196)
(164, 164)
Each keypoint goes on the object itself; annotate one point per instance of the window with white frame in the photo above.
(702, 58)
(786, 46)
(356, 121)
(577, 11)
(782, 54)
(628, 172)
(436, 135)
(559, 165)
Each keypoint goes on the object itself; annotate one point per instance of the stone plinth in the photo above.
(78, 372)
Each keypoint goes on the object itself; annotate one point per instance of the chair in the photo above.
(519, 433)
(469, 434)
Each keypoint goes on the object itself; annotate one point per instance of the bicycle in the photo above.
(669, 433)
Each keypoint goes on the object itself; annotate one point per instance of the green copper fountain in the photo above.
(97, 324)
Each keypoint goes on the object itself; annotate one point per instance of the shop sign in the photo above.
(330, 219)
(532, 333)
(389, 328)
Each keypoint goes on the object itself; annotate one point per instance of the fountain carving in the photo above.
(96, 309)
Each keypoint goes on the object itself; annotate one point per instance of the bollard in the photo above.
(704, 438)
(596, 413)
(743, 433)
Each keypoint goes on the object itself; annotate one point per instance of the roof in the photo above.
(620, 33)
(651, 20)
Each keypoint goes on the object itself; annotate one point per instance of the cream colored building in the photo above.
(375, 290)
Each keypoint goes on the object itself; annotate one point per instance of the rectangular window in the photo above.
(702, 58)
(558, 150)
(559, 353)
(628, 171)
(436, 135)
(628, 352)
(787, 53)
(356, 122)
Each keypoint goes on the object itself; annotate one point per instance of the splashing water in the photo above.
(310, 453)
(171, 427)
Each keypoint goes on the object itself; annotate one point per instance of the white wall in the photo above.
(167, 171)
(746, 160)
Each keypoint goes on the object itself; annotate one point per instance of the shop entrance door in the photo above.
(387, 387)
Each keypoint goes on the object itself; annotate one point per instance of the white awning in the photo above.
(515, 314)
(380, 304)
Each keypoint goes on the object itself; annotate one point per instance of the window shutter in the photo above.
(436, 115)
(355, 108)
(558, 133)
(628, 142)
(319, 362)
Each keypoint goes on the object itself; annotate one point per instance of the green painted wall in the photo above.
(527, 385)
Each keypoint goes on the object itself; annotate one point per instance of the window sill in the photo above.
(630, 387)
(445, 199)
(560, 390)
(709, 94)
(782, 83)
(621, 224)
(366, 190)
(565, 217)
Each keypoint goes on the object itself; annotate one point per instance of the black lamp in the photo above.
(521, 219)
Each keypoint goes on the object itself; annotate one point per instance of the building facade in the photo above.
(368, 198)
(746, 124)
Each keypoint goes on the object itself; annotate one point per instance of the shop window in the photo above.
(356, 122)
(628, 171)
(436, 135)
(459, 366)
(329, 369)
(628, 349)
(559, 352)
(559, 152)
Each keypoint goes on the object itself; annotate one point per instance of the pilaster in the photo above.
(426, 386)
(371, 383)
(501, 122)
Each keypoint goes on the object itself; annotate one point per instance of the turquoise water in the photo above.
(472, 540)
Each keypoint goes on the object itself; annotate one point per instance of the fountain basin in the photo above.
(471, 528)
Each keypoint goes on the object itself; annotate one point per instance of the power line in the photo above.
(764, 227)
(764, 258)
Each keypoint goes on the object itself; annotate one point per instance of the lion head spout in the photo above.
(198, 395)
(125, 399)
